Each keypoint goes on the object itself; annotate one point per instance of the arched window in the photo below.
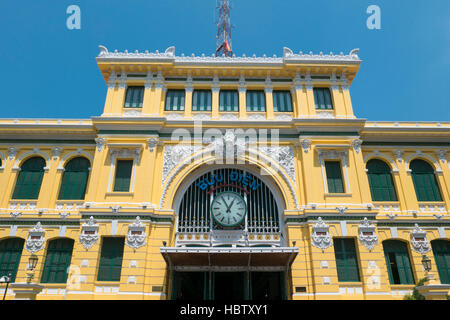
(10, 253)
(29, 181)
(398, 262)
(74, 180)
(441, 251)
(425, 182)
(57, 261)
(380, 181)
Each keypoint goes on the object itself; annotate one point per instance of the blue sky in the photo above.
(48, 71)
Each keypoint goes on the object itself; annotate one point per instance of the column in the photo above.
(119, 96)
(157, 98)
(338, 103)
(188, 101)
(347, 101)
(242, 102)
(310, 99)
(269, 103)
(215, 102)
(147, 102)
(300, 101)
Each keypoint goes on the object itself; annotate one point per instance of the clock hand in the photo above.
(232, 202)
(228, 208)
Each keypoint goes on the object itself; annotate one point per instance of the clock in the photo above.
(228, 209)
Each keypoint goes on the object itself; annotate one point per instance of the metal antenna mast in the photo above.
(224, 45)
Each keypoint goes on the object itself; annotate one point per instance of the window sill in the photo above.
(349, 284)
(107, 283)
(119, 193)
(53, 285)
(402, 286)
(331, 195)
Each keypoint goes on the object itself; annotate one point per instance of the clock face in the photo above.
(228, 209)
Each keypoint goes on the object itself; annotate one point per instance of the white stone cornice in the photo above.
(288, 57)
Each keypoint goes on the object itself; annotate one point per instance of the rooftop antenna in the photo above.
(224, 44)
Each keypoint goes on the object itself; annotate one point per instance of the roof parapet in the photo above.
(288, 57)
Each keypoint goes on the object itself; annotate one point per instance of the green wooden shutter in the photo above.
(29, 180)
(346, 260)
(282, 101)
(111, 259)
(175, 100)
(134, 97)
(322, 99)
(10, 254)
(380, 181)
(398, 263)
(229, 100)
(441, 251)
(201, 100)
(334, 177)
(57, 261)
(74, 180)
(123, 175)
(256, 100)
(425, 182)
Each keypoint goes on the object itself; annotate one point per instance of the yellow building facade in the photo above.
(217, 177)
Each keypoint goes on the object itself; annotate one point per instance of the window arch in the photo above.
(380, 180)
(441, 252)
(398, 262)
(29, 180)
(425, 183)
(74, 180)
(57, 260)
(10, 253)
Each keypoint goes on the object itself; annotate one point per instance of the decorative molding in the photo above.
(325, 114)
(326, 154)
(35, 151)
(283, 117)
(288, 56)
(100, 142)
(12, 151)
(321, 237)
(36, 239)
(132, 113)
(229, 117)
(442, 155)
(174, 116)
(399, 155)
(341, 210)
(201, 116)
(115, 209)
(284, 156)
(124, 152)
(89, 233)
(419, 240)
(367, 234)
(173, 155)
(357, 145)
(306, 144)
(57, 152)
(256, 117)
(187, 154)
(152, 143)
(136, 234)
(420, 154)
(15, 214)
(384, 157)
(70, 155)
(333, 154)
